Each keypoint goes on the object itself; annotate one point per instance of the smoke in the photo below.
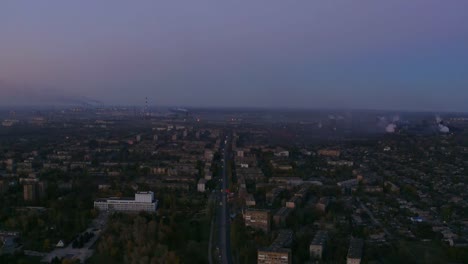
(382, 121)
(442, 128)
(391, 128)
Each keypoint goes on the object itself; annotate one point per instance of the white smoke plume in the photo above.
(443, 128)
(391, 128)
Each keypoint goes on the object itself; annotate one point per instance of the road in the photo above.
(223, 219)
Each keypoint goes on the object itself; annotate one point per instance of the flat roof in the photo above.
(320, 238)
(283, 211)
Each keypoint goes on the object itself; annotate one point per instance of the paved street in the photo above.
(223, 220)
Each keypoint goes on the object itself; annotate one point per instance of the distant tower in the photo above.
(146, 111)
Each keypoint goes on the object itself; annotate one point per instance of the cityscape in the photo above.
(243, 189)
(235, 132)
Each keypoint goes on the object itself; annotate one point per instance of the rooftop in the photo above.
(355, 248)
(320, 238)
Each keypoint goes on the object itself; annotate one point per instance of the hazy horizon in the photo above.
(394, 55)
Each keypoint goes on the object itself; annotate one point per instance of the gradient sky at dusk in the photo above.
(396, 54)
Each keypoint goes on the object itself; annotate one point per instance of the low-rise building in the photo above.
(144, 201)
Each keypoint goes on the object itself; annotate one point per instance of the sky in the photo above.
(367, 54)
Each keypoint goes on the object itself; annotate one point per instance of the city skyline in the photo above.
(394, 55)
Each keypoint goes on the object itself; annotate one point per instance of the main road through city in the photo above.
(223, 217)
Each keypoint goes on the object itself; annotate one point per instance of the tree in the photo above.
(46, 246)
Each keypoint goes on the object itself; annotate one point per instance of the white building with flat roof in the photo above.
(143, 201)
(201, 186)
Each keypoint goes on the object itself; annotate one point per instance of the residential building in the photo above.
(277, 252)
(355, 251)
(209, 154)
(258, 219)
(317, 246)
(29, 192)
(250, 200)
(329, 153)
(201, 185)
(281, 215)
(274, 256)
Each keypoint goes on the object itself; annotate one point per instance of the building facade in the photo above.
(278, 252)
(29, 192)
(274, 256)
(258, 219)
(355, 251)
(144, 201)
(317, 246)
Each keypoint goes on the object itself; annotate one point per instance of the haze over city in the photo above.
(233, 132)
(398, 55)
